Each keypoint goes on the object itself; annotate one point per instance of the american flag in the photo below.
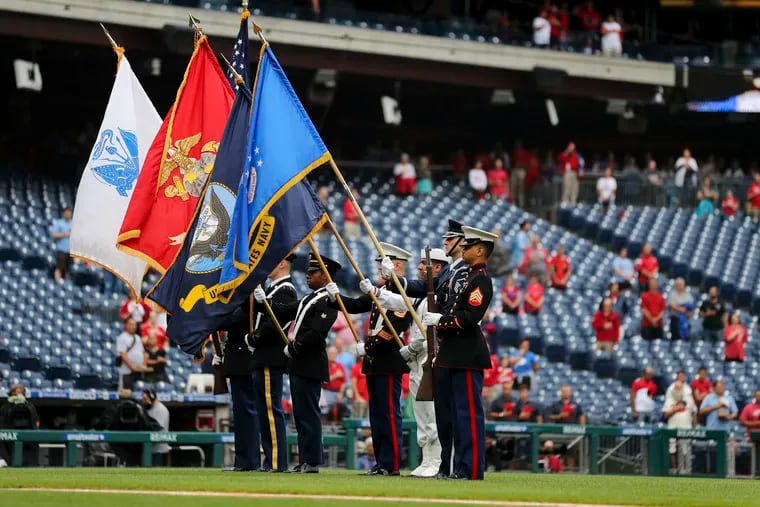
(239, 59)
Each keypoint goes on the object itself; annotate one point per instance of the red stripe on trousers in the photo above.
(393, 423)
(473, 427)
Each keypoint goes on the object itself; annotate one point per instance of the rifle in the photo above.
(220, 380)
(425, 391)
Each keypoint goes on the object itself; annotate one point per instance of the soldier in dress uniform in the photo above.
(311, 319)
(463, 355)
(269, 363)
(237, 365)
(383, 367)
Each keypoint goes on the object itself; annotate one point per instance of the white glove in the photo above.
(360, 349)
(250, 347)
(431, 319)
(332, 291)
(366, 286)
(386, 268)
(406, 353)
(285, 351)
(216, 361)
(259, 295)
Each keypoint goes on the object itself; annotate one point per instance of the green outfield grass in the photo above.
(645, 491)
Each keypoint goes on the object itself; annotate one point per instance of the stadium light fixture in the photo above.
(28, 75)
(551, 110)
(502, 97)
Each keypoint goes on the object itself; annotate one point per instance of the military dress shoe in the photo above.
(237, 469)
(441, 476)
(458, 477)
(296, 469)
(280, 471)
(264, 469)
(309, 469)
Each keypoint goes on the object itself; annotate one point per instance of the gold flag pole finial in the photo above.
(195, 23)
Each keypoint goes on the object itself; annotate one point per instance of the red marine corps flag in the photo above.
(178, 163)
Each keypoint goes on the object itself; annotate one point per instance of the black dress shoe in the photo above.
(296, 469)
(309, 469)
(441, 476)
(458, 477)
(237, 469)
(264, 469)
(280, 471)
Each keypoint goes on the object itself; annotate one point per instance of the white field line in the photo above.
(295, 496)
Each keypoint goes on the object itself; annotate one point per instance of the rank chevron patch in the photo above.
(476, 297)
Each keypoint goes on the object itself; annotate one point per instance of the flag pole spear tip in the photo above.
(108, 36)
(238, 78)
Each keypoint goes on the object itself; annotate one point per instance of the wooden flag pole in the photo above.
(276, 323)
(379, 248)
(372, 295)
(329, 280)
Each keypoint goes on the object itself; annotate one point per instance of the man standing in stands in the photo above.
(406, 178)
(131, 355)
(60, 231)
(714, 317)
(569, 166)
(560, 267)
(462, 357)
(701, 386)
(647, 266)
(643, 391)
(652, 312)
(312, 318)
(606, 324)
(524, 365)
(384, 367)
(566, 410)
(623, 270)
(19, 414)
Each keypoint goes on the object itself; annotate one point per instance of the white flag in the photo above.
(129, 126)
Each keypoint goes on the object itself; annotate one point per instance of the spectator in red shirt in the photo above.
(652, 311)
(589, 18)
(569, 166)
(332, 390)
(701, 386)
(491, 379)
(735, 336)
(606, 324)
(498, 180)
(161, 339)
(526, 410)
(750, 416)
(534, 296)
(560, 268)
(643, 391)
(137, 310)
(359, 406)
(753, 198)
(551, 460)
(520, 158)
(350, 217)
(503, 407)
(729, 204)
(511, 296)
(647, 266)
(505, 371)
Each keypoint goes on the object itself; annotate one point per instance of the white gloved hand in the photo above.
(248, 344)
(366, 286)
(360, 349)
(406, 353)
(216, 361)
(386, 268)
(431, 319)
(332, 291)
(286, 352)
(259, 295)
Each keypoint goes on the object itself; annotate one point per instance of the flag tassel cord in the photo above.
(372, 295)
(379, 248)
(329, 280)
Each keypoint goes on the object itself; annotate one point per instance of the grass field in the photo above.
(237, 489)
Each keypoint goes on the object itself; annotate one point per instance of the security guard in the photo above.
(269, 363)
(383, 367)
(311, 319)
(237, 365)
(463, 355)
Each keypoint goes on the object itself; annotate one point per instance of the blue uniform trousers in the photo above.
(385, 419)
(444, 410)
(267, 383)
(246, 428)
(308, 418)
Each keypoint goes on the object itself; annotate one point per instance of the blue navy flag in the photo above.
(239, 58)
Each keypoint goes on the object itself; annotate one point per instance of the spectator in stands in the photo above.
(505, 371)
(560, 268)
(405, 176)
(704, 206)
(19, 414)
(343, 335)
(323, 193)
(606, 324)
(153, 325)
(478, 181)
(536, 260)
(653, 175)
(619, 301)
(366, 459)
(160, 414)
(719, 408)
(155, 359)
(623, 270)
(534, 296)
(525, 410)
(542, 30)
(498, 181)
(612, 37)
(511, 296)
(681, 381)
(60, 231)
(750, 416)
(524, 364)
(714, 317)
(652, 312)
(708, 191)
(520, 158)
(332, 390)
(559, 22)
(686, 175)
(729, 205)
(503, 407)
(345, 356)
(589, 18)
(359, 403)
(569, 165)
(753, 198)
(643, 391)
(701, 386)
(606, 187)
(424, 177)
(735, 336)
(131, 355)
(680, 304)
(521, 243)
(351, 217)
(459, 163)
(647, 266)
(566, 410)
(131, 308)
(681, 413)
